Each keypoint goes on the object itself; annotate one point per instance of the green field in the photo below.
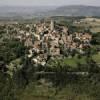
(94, 25)
(74, 61)
(96, 58)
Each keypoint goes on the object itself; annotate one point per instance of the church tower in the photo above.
(52, 25)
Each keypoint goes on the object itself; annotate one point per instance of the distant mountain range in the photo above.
(23, 11)
(77, 10)
(28, 12)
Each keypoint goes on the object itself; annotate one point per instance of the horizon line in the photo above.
(47, 5)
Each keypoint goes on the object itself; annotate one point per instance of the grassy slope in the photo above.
(69, 92)
(74, 61)
(96, 58)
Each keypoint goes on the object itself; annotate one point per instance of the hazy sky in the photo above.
(49, 2)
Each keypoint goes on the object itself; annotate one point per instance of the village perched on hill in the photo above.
(48, 40)
(49, 57)
(49, 49)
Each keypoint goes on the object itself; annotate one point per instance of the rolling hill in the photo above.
(73, 10)
(77, 10)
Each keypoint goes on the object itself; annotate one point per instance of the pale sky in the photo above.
(48, 2)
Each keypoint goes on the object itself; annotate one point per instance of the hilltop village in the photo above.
(46, 40)
(48, 59)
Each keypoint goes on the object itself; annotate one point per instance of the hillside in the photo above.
(43, 11)
(77, 10)
(23, 11)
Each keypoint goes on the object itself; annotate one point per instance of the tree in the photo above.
(96, 39)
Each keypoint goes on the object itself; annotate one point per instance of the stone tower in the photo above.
(52, 25)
